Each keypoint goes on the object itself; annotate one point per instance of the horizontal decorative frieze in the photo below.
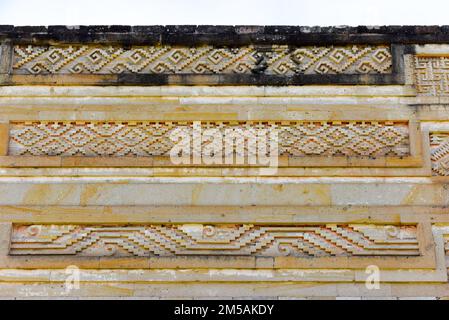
(439, 153)
(156, 138)
(207, 59)
(432, 75)
(209, 240)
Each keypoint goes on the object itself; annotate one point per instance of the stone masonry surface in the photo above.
(361, 116)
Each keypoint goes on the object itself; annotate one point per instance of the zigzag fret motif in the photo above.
(439, 153)
(224, 239)
(294, 138)
(276, 60)
(432, 75)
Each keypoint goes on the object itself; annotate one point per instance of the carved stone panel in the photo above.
(206, 240)
(275, 60)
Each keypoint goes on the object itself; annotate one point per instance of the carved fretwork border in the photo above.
(19, 152)
(205, 239)
(426, 228)
(418, 253)
(261, 68)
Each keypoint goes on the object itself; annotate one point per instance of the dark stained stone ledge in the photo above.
(226, 35)
(400, 39)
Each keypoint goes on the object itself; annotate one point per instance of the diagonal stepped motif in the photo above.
(223, 239)
(152, 138)
(439, 153)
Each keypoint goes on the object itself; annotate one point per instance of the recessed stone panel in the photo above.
(209, 240)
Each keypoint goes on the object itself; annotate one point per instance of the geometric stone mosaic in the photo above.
(439, 153)
(154, 138)
(207, 240)
(432, 75)
(274, 60)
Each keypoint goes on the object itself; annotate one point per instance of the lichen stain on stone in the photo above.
(321, 194)
(48, 194)
(89, 192)
(196, 193)
(420, 195)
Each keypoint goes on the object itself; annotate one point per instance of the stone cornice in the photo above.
(225, 35)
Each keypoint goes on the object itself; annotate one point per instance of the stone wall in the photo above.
(89, 190)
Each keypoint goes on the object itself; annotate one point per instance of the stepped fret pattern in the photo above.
(295, 138)
(275, 60)
(432, 75)
(205, 240)
(439, 153)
